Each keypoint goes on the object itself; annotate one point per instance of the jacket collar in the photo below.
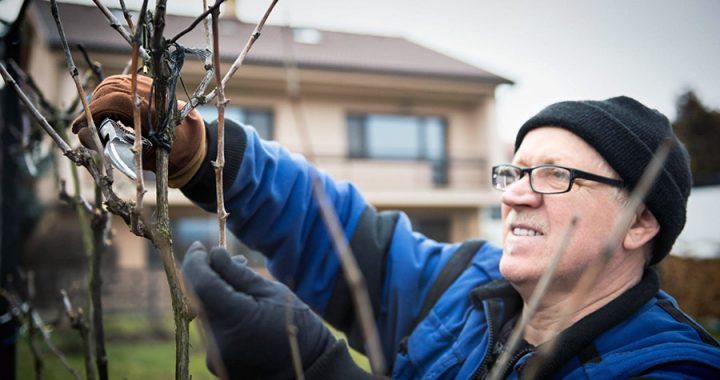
(580, 335)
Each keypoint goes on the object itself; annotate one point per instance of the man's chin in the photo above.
(518, 271)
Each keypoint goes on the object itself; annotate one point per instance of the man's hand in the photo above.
(248, 317)
(112, 98)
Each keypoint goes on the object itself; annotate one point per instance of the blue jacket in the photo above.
(268, 194)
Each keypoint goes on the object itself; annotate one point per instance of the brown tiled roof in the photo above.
(335, 51)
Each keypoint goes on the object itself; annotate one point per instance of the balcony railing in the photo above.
(452, 174)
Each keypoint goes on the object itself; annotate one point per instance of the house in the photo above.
(410, 127)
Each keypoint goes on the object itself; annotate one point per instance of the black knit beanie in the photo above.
(626, 134)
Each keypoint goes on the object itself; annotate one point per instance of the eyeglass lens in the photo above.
(543, 179)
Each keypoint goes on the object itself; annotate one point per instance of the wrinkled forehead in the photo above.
(555, 145)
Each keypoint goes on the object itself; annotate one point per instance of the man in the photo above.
(573, 158)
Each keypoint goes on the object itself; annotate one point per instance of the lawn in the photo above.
(135, 350)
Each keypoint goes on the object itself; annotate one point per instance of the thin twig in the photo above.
(593, 272)
(35, 322)
(532, 305)
(115, 24)
(77, 322)
(96, 67)
(209, 71)
(126, 69)
(292, 332)
(65, 196)
(101, 228)
(137, 148)
(219, 162)
(127, 16)
(37, 355)
(211, 347)
(353, 276)
(21, 311)
(241, 58)
(35, 113)
(208, 41)
(30, 82)
(350, 268)
(202, 17)
(81, 91)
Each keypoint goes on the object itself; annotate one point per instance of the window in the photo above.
(399, 137)
(434, 227)
(259, 118)
(495, 212)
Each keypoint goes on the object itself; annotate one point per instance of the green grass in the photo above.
(134, 351)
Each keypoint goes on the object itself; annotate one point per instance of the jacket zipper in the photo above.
(514, 360)
(491, 341)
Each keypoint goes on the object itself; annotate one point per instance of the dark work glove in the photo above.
(247, 315)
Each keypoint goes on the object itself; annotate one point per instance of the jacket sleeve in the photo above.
(268, 193)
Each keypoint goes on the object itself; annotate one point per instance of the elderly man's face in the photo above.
(533, 224)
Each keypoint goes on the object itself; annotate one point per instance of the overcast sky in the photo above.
(553, 50)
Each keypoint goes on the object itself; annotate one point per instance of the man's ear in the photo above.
(642, 230)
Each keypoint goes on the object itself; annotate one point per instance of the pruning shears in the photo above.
(118, 141)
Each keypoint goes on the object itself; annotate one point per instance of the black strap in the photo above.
(457, 264)
(681, 317)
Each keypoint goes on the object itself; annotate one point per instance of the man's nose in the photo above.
(520, 194)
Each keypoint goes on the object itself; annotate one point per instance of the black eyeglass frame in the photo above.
(574, 173)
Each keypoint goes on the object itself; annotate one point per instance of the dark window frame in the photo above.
(360, 149)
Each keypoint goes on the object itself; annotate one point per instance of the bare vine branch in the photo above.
(65, 196)
(219, 162)
(115, 24)
(31, 83)
(353, 276)
(26, 312)
(165, 75)
(202, 17)
(81, 91)
(34, 111)
(292, 332)
(137, 148)
(96, 67)
(251, 41)
(241, 57)
(38, 324)
(350, 268)
(77, 322)
(127, 16)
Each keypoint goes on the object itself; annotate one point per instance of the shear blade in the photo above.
(120, 155)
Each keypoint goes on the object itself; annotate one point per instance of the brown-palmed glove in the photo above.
(112, 99)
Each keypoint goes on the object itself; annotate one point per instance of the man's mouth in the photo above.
(526, 231)
(525, 225)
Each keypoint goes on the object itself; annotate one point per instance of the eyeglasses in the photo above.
(545, 179)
